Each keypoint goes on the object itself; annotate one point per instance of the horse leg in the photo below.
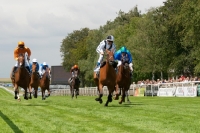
(43, 94)
(16, 92)
(76, 93)
(35, 92)
(117, 92)
(72, 91)
(123, 96)
(100, 94)
(127, 97)
(25, 95)
(109, 99)
(49, 92)
(30, 92)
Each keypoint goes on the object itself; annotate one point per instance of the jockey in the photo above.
(75, 68)
(34, 61)
(124, 55)
(105, 44)
(43, 68)
(21, 49)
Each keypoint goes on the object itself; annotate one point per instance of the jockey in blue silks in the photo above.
(125, 55)
(43, 68)
(34, 61)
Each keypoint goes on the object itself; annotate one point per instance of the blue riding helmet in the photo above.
(123, 49)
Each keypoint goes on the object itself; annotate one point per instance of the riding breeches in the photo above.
(100, 58)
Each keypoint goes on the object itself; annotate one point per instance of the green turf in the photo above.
(60, 114)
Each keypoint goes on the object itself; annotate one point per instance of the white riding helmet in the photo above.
(34, 60)
(110, 38)
(44, 63)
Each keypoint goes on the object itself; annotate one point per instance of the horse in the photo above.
(74, 84)
(107, 77)
(21, 77)
(44, 83)
(123, 82)
(35, 81)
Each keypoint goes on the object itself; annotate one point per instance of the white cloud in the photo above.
(42, 24)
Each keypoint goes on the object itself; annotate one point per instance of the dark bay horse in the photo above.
(35, 81)
(107, 77)
(74, 85)
(21, 77)
(123, 82)
(44, 83)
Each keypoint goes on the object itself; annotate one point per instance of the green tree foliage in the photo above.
(163, 42)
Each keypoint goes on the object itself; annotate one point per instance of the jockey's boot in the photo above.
(96, 69)
(13, 73)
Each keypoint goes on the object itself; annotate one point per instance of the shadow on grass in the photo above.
(35, 105)
(10, 123)
(126, 105)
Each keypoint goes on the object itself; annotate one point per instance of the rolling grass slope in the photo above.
(61, 114)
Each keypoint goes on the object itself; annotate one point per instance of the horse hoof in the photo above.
(30, 97)
(97, 99)
(100, 101)
(106, 105)
(15, 97)
(120, 102)
(19, 99)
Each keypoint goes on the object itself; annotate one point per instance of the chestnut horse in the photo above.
(107, 77)
(21, 77)
(44, 83)
(74, 85)
(123, 82)
(35, 81)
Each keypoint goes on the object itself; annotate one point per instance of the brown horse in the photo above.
(123, 81)
(35, 81)
(21, 77)
(107, 77)
(44, 83)
(74, 85)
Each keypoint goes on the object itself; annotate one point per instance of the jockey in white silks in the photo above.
(105, 44)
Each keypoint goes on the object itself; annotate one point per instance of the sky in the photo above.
(43, 24)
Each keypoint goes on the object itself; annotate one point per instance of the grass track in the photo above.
(60, 114)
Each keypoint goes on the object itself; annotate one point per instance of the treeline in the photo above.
(164, 42)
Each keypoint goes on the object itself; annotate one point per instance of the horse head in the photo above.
(110, 56)
(34, 66)
(21, 60)
(47, 73)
